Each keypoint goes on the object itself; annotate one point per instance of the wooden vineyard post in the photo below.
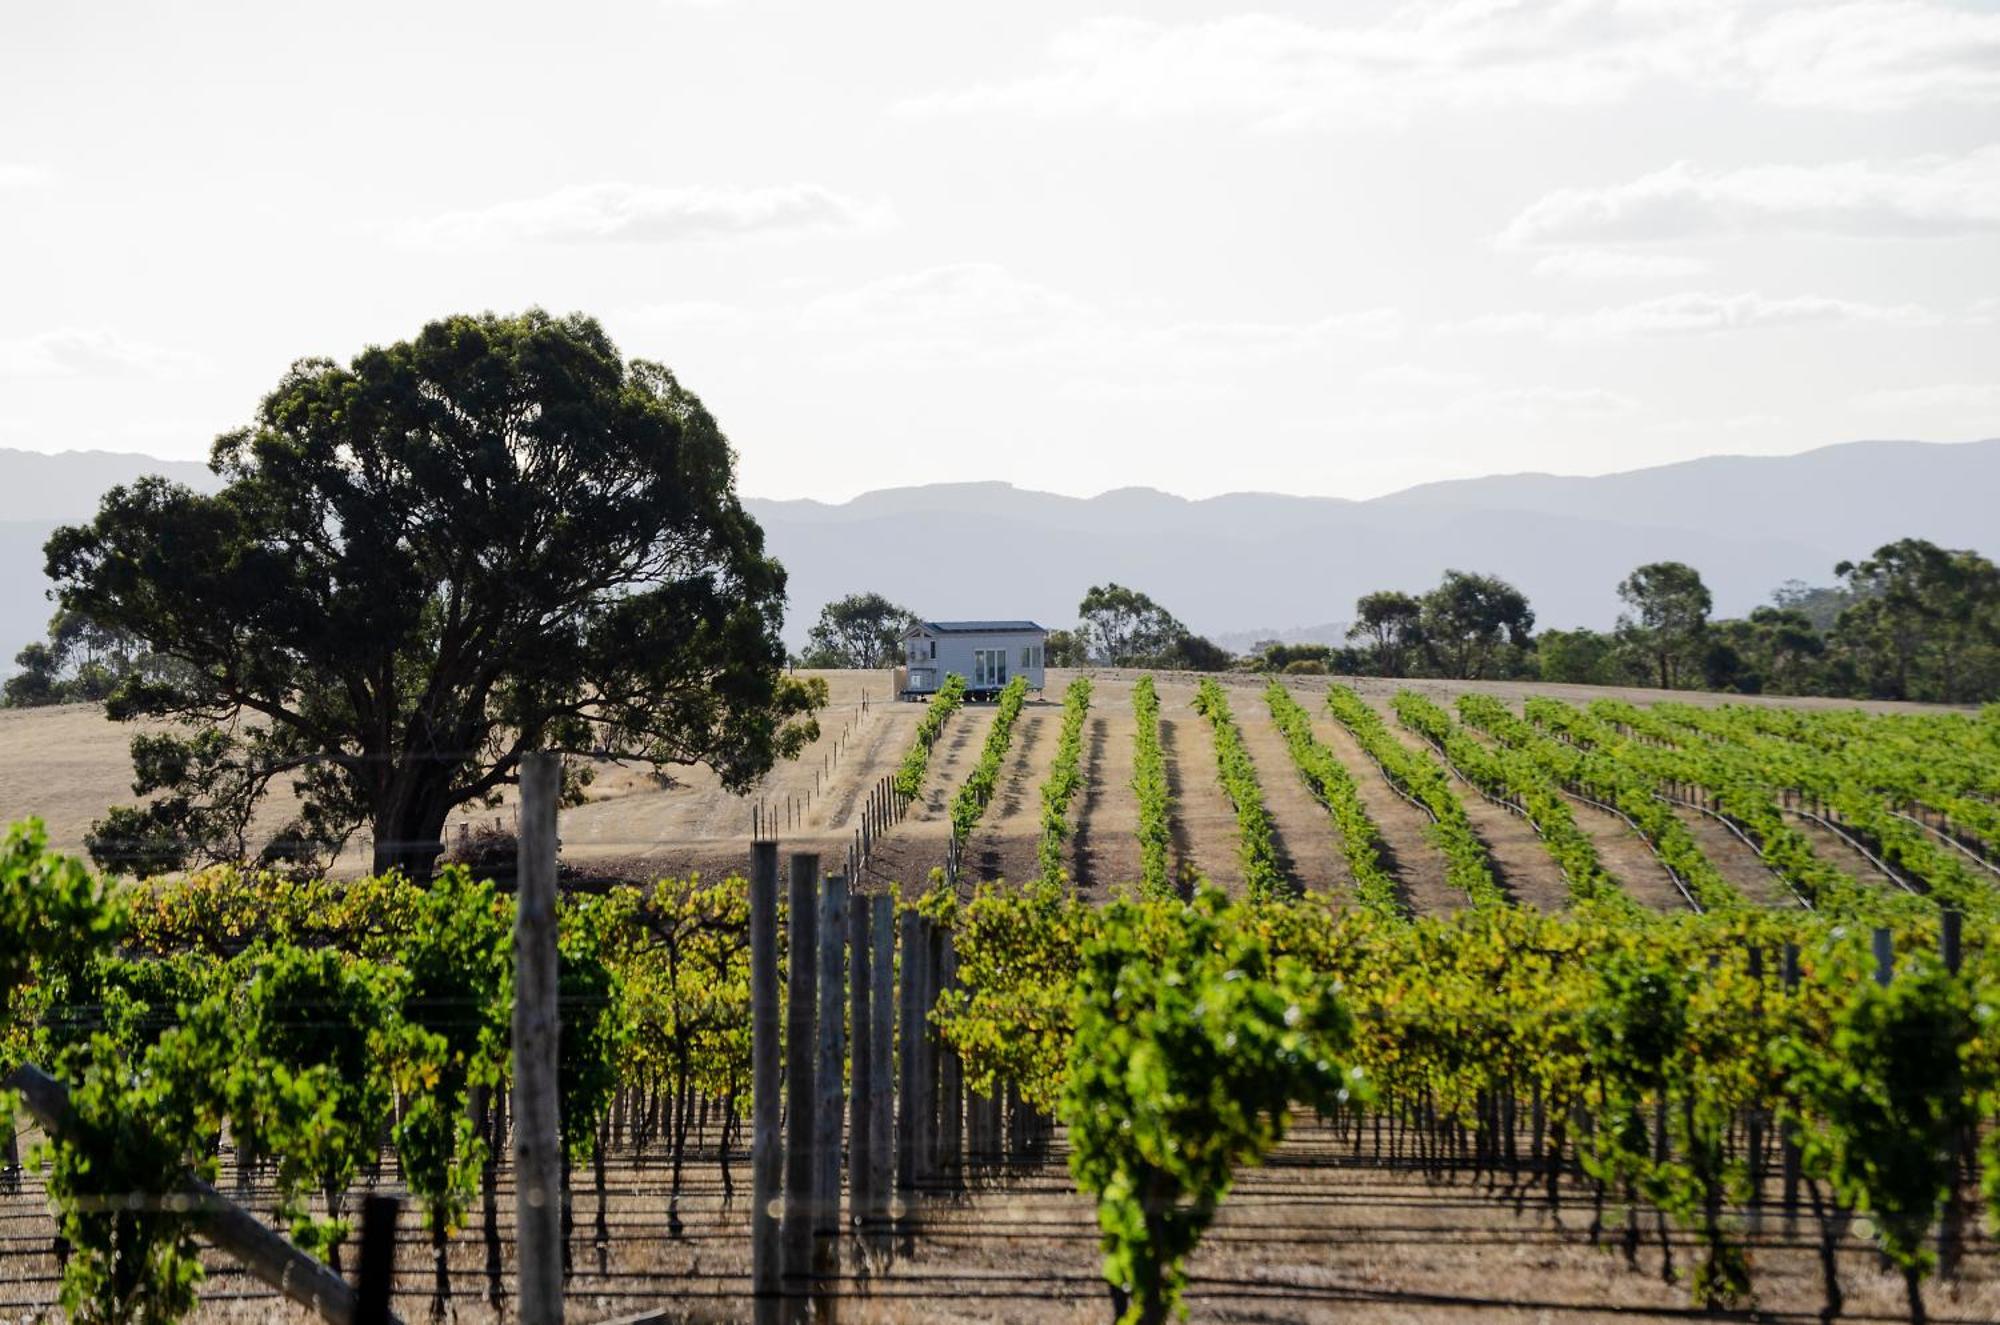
(908, 1038)
(801, 1012)
(537, 1126)
(881, 1092)
(951, 1099)
(1754, 1123)
(923, 1050)
(1788, 1152)
(831, 1103)
(861, 1085)
(765, 1254)
(376, 1281)
(1885, 956)
(1965, 1155)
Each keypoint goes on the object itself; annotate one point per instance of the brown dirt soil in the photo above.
(1103, 850)
(1321, 1236)
(1411, 855)
(1629, 860)
(1736, 860)
(1520, 861)
(1838, 852)
(1007, 840)
(1308, 843)
(1203, 820)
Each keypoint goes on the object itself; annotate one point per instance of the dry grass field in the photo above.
(67, 764)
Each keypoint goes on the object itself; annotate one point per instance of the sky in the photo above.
(1331, 249)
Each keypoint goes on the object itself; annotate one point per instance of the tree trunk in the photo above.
(410, 840)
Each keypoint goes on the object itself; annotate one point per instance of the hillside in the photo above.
(1260, 563)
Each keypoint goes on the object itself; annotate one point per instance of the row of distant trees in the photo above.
(1117, 627)
(1912, 621)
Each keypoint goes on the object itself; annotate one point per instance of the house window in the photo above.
(989, 667)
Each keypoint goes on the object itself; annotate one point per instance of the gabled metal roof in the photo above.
(973, 628)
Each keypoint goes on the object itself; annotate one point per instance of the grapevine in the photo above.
(1064, 781)
(1256, 848)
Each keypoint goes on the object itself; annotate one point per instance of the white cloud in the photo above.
(982, 316)
(1877, 56)
(1929, 195)
(942, 301)
(1420, 376)
(629, 213)
(1981, 398)
(92, 353)
(1282, 72)
(19, 175)
(1693, 313)
(695, 316)
(1519, 405)
(1610, 264)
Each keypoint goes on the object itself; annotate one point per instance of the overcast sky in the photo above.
(1335, 248)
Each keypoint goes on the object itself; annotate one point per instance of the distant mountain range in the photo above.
(1247, 565)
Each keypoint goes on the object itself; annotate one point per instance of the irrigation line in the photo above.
(1951, 840)
(1852, 841)
(1742, 836)
(1633, 824)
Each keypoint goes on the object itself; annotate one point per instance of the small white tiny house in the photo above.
(988, 654)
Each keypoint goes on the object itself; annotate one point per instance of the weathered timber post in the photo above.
(765, 1255)
(924, 979)
(882, 1052)
(1885, 956)
(1754, 1123)
(1965, 1152)
(951, 1098)
(1788, 1151)
(376, 1280)
(828, 1109)
(861, 1085)
(801, 1014)
(907, 1036)
(537, 1127)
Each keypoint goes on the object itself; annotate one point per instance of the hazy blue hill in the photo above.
(1261, 562)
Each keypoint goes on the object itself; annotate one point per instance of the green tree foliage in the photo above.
(79, 662)
(1391, 623)
(1066, 648)
(1668, 618)
(1124, 627)
(1925, 623)
(499, 536)
(862, 630)
(1468, 620)
(1579, 657)
(1198, 653)
(1193, 1043)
